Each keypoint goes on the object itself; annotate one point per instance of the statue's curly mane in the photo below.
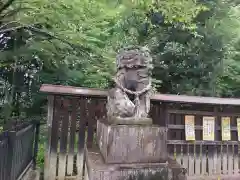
(134, 56)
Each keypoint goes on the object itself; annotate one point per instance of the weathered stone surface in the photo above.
(96, 169)
(129, 121)
(131, 143)
(133, 84)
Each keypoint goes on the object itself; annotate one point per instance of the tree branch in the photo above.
(4, 25)
(12, 12)
(47, 34)
(5, 6)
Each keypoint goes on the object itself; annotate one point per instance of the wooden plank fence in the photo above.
(72, 116)
(18, 151)
(215, 159)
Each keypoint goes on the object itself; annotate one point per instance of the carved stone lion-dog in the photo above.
(131, 95)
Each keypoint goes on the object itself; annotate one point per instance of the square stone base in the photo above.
(132, 143)
(96, 169)
(129, 121)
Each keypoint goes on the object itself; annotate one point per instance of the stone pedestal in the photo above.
(132, 143)
(97, 169)
(132, 149)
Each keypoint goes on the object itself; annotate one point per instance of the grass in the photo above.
(41, 146)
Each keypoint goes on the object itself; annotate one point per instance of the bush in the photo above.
(40, 157)
(41, 146)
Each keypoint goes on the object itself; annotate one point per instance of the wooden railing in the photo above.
(18, 151)
(73, 113)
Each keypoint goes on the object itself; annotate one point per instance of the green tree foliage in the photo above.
(86, 26)
(194, 43)
(228, 81)
(189, 60)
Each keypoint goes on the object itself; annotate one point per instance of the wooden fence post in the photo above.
(10, 160)
(35, 150)
(48, 142)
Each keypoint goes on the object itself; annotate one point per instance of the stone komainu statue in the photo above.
(131, 95)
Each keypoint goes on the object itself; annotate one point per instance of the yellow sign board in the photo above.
(238, 128)
(189, 128)
(208, 128)
(226, 131)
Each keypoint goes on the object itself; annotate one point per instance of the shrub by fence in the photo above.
(18, 150)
